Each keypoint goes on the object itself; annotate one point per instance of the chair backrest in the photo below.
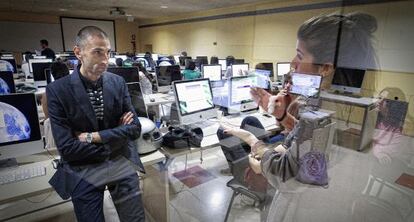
(322, 138)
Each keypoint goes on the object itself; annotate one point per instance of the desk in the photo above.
(370, 114)
(159, 99)
(155, 195)
(212, 141)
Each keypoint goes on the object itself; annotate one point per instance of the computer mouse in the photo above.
(152, 100)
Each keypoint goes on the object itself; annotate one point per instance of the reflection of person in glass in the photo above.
(316, 52)
(94, 126)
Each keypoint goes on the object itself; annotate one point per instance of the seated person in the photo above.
(189, 71)
(130, 59)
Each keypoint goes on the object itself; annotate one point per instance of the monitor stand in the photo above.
(345, 93)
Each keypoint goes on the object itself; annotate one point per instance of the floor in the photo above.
(361, 188)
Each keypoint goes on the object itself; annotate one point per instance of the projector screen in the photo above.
(71, 26)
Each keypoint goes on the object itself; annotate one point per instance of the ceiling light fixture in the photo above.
(164, 6)
(62, 9)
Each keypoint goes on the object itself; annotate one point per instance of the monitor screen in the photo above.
(239, 69)
(31, 61)
(183, 58)
(154, 57)
(177, 59)
(213, 72)
(266, 66)
(12, 61)
(223, 64)
(6, 83)
(137, 99)
(112, 60)
(307, 85)
(165, 62)
(202, 60)
(240, 89)
(39, 73)
(282, 68)
(18, 119)
(194, 96)
(263, 78)
(167, 74)
(348, 80)
(130, 74)
(238, 61)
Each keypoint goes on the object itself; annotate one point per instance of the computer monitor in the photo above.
(213, 72)
(143, 61)
(31, 61)
(265, 66)
(130, 74)
(238, 61)
(194, 100)
(11, 60)
(137, 99)
(6, 83)
(183, 58)
(239, 69)
(223, 64)
(348, 80)
(19, 126)
(166, 75)
(49, 76)
(39, 74)
(240, 98)
(282, 68)
(307, 85)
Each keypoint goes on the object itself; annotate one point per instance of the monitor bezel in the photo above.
(217, 65)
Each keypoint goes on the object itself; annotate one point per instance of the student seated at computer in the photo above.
(58, 70)
(189, 72)
(119, 62)
(129, 60)
(145, 78)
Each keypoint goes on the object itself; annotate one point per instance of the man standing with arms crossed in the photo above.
(94, 126)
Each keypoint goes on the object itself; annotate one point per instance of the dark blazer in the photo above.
(70, 111)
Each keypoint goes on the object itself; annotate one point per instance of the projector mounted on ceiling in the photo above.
(116, 11)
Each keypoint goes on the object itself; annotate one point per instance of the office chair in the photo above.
(237, 169)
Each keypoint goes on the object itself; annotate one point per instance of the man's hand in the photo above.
(126, 118)
(277, 105)
(261, 97)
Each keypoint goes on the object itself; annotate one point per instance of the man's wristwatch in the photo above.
(89, 137)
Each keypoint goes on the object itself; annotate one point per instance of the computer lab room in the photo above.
(201, 111)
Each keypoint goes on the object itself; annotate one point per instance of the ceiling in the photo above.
(140, 9)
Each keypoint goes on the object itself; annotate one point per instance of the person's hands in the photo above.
(277, 105)
(126, 118)
(261, 97)
(81, 136)
(255, 165)
(235, 131)
(280, 149)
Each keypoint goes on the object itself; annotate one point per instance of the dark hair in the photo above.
(343, 40)
(59, 69)
(230, 60)
(184, 53)
(44, 42)
(190, 64)
(118, 61)
(88, 31)
(213, 60)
